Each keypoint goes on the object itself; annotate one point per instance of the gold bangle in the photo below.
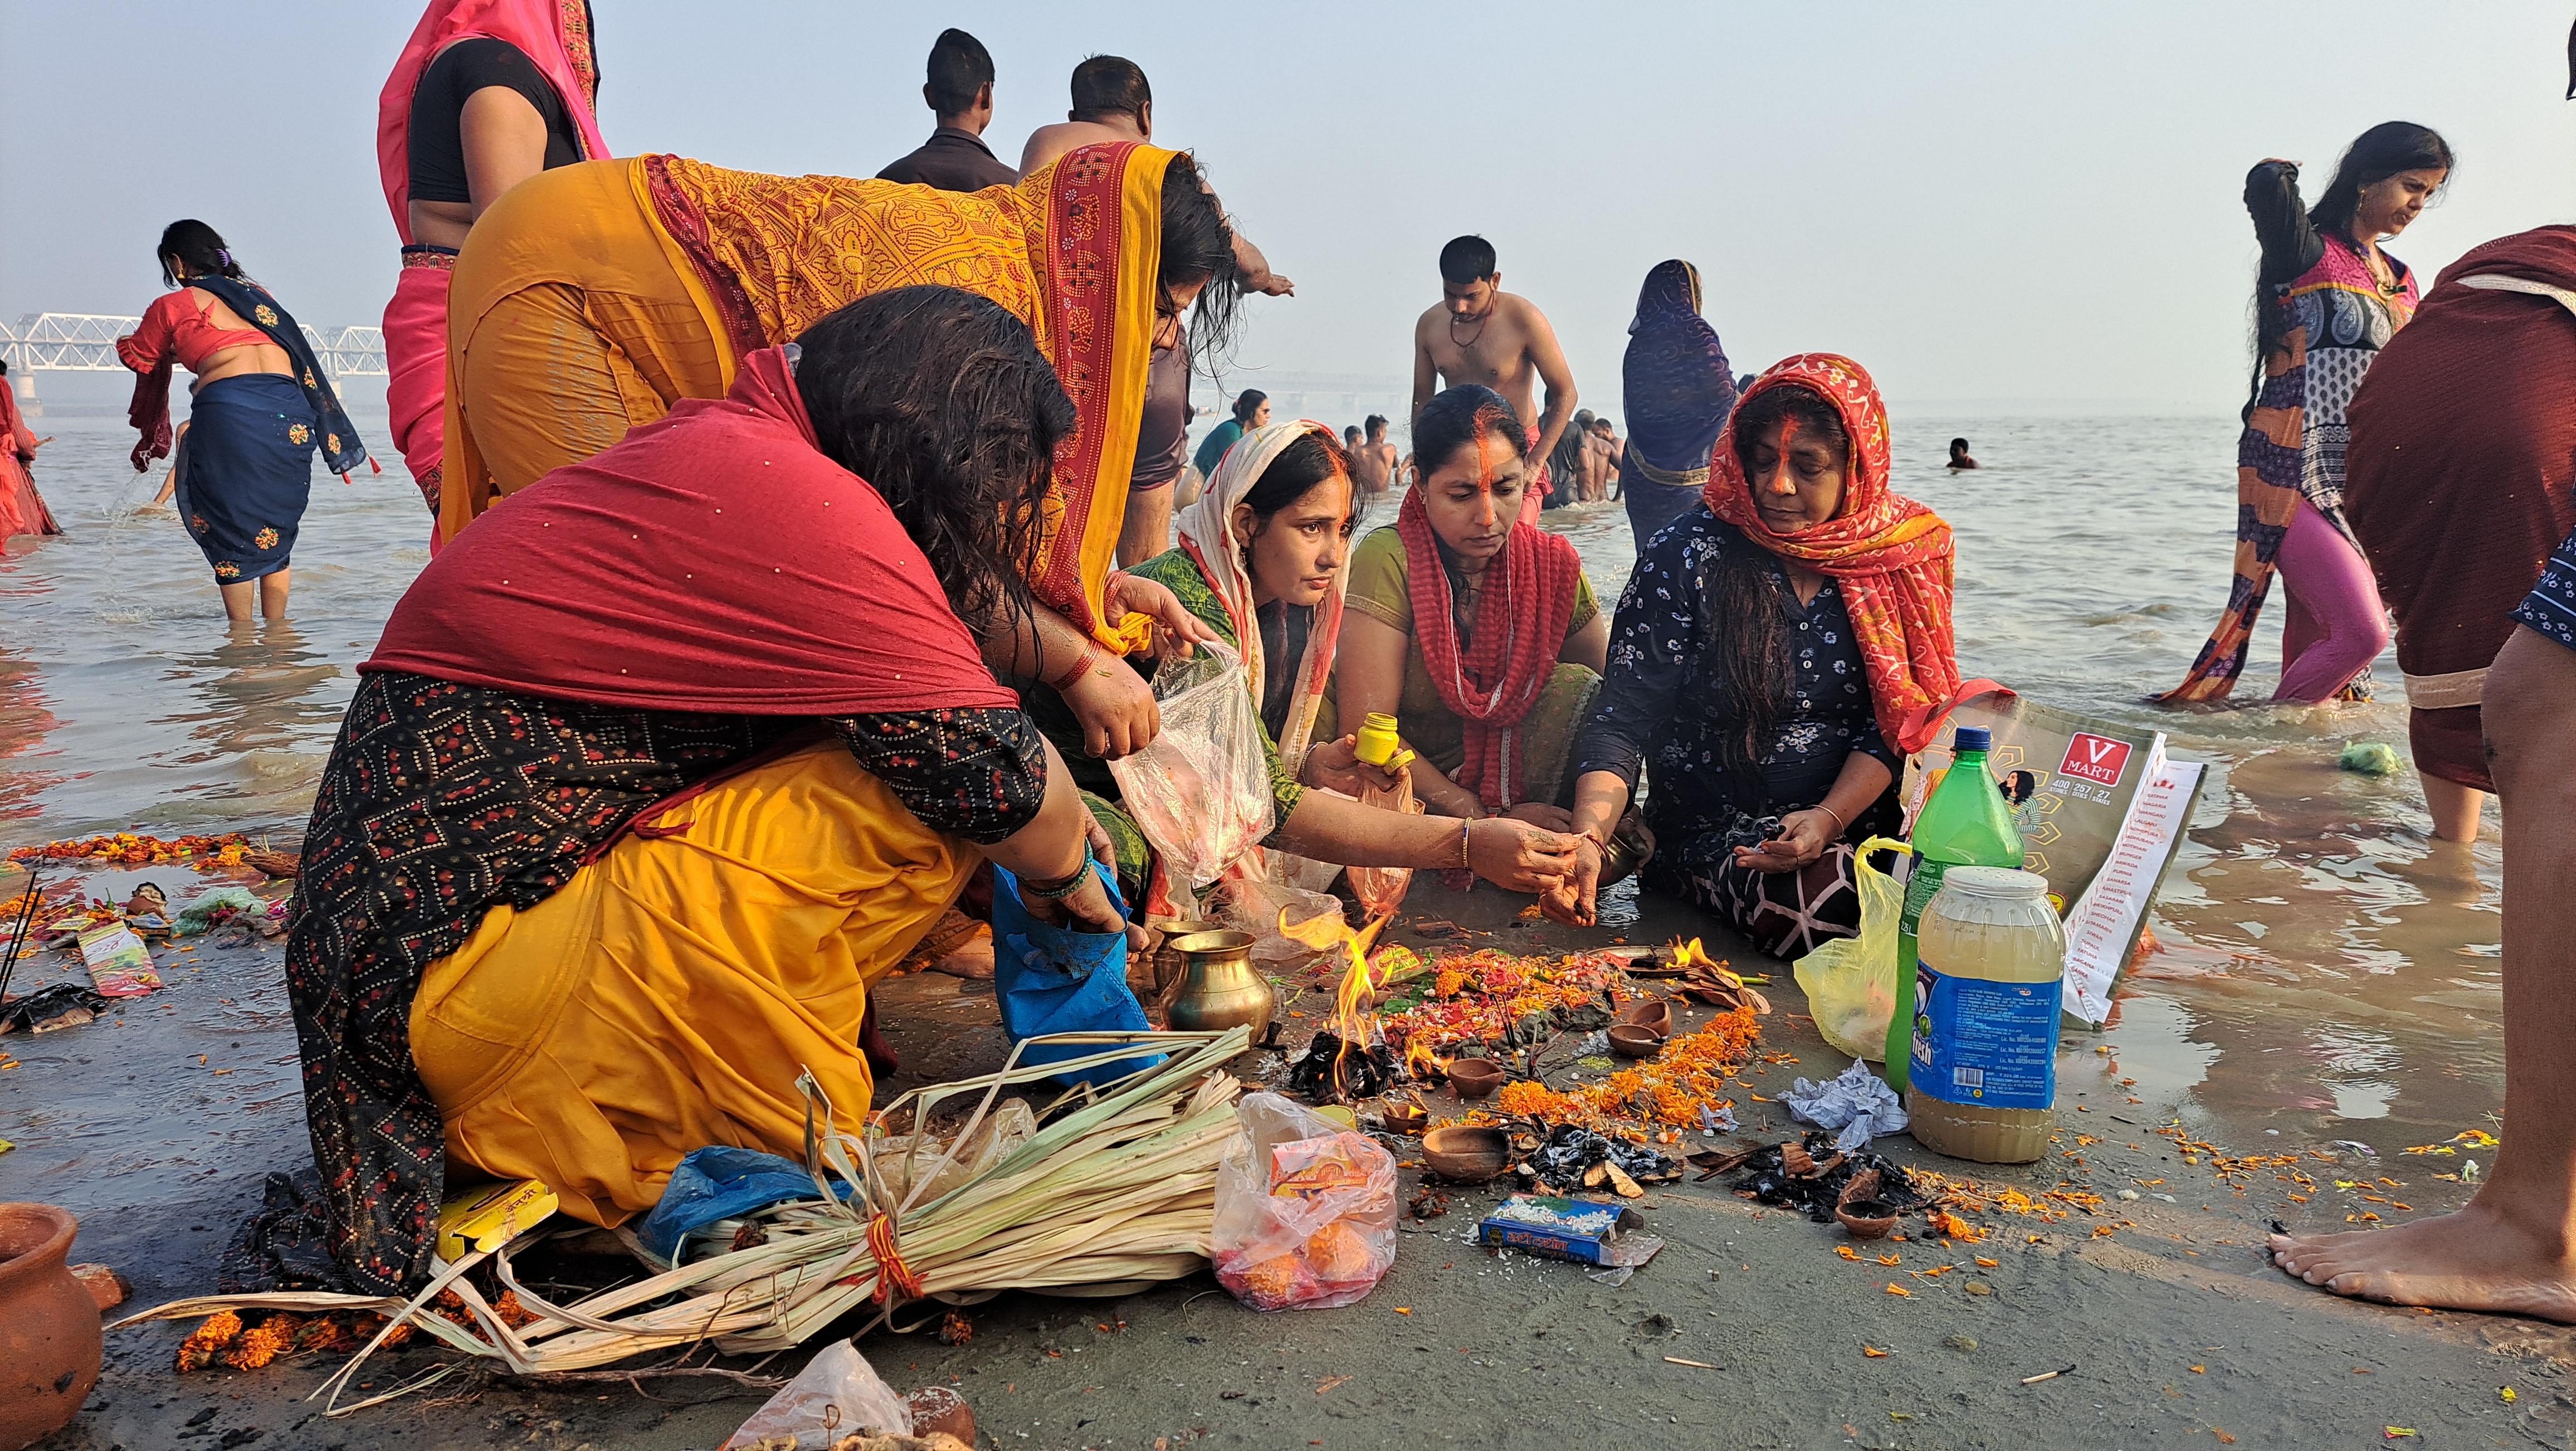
(1466, 832)
(1840, 826)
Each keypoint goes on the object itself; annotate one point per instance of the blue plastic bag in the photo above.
(1057, 980)
(720, 1182)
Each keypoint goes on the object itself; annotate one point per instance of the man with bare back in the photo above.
(1373, 462)
(1112, 101)
(1482, 334)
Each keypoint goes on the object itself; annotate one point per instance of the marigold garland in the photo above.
(135, 849)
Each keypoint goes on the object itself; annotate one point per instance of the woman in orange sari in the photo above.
(593, 297)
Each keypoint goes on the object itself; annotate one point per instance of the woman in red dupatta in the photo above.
(22, 509)
(1471, 626)
(432, 214)
(655, 773)
(1781, 648)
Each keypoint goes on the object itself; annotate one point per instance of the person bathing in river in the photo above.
(22, 509)
(809, 751)
(1482, 335)
(1677, 392)
(1959, 458)
(259, 409)
(2461, 477)
(486, 94)
(1373, 463)
(1251, 410)
(1778, 652)
(2329, 299)
(1475, 629)
(1261, 564)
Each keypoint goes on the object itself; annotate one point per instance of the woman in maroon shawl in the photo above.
(728, 634)
(22, 509)
(2458, 484)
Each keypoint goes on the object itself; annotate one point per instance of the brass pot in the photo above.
(1220, 988)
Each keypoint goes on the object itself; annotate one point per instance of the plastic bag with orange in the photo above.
(1305, 1210)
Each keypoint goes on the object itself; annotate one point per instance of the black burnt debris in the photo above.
(1327, 1074)
(1810, 1175)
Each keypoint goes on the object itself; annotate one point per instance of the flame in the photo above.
(1424, 1064)
(1688, 955)
(1355, 1004)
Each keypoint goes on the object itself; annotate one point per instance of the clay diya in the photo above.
(1652, 1014)
(1475, 1078)
(1861, 1214)
(1467, 1155)
(1630, 1041)
(1404, 1118)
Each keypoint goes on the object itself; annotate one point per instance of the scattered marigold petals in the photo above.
(1896, 1289)
(1989, 1264)
(1847, 1252)
(2200, 1370)
(1891, 1259)
(1873, 1352)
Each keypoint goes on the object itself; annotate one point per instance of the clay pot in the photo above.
(1404, 1118)
(1652, 1014)
(1630, 1041)
(49, 1338)
(1467, 1155)
(1858, 1210)
(1474, 1078)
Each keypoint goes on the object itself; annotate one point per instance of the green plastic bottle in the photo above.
(1967, 823)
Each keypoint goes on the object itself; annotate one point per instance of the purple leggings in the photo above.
(2334, 625)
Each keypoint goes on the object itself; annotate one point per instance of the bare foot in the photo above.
(973, 961)
(2477, 1259)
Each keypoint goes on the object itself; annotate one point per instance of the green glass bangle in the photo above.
(1060, 890)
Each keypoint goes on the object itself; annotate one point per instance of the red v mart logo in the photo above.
(2098, 759)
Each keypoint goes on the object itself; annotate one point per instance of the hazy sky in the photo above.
(1977, 201)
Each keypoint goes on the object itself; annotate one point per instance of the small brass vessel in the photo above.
(1220, 987)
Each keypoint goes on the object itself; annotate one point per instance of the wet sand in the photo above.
(161, 1154)
(2329, 978)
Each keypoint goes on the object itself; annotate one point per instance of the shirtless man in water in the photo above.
(1113, 102)
(1482, 334)
(1373, 462)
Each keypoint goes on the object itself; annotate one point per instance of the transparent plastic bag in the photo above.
(1305, 1210)
(1381, 889)
(1201, 791)
(1253, 904)
(1850, 982)
(835, 1395)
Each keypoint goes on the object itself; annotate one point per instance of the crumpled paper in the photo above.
(1857, 1104)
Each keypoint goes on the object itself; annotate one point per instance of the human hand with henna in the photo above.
(1517, 856)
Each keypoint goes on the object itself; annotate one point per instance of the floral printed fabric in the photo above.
(1662, 707)
(2550, 608)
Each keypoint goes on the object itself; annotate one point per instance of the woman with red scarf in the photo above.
(1475, 629)
(1780, 650)
(652, 776)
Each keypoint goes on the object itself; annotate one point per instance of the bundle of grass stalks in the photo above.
(1116, 1190)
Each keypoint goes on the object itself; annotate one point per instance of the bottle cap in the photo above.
(1971, 738)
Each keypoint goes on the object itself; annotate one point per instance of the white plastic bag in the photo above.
(836, 1394)
(1305, 1210)
(1201, 791)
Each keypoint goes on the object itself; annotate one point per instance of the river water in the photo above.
(2329, 971)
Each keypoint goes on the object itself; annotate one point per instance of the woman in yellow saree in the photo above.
(593, 297)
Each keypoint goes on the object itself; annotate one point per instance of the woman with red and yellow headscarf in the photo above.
(592, 298)
(1780, 650)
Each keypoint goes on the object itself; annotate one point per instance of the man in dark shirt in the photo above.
(960, 93)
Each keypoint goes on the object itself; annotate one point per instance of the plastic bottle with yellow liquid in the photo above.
(1987, 987)
(1965, 823)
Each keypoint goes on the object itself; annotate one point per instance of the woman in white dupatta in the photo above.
(1261, 562)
